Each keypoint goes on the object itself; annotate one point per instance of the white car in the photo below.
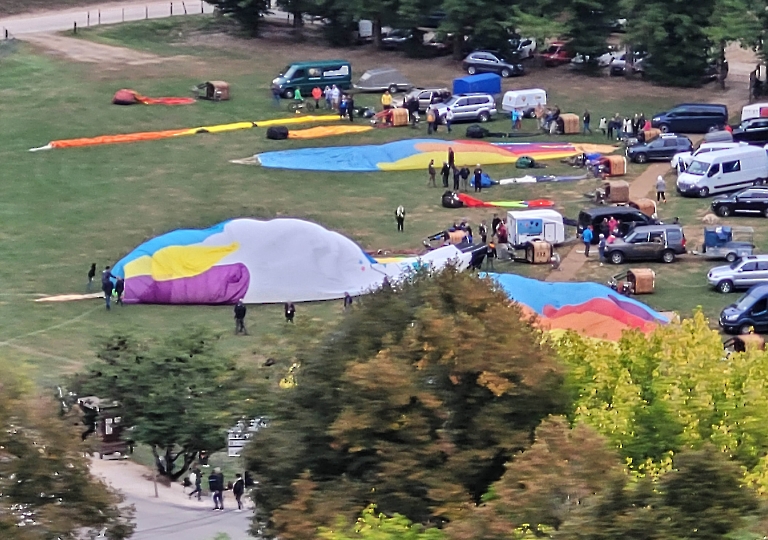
(604, 60)
(527, 48)
(705, 148)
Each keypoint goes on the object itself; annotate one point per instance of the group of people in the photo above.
(240, 310)
(610, 230)
(217, 487)
(618, 128)
(460, 174)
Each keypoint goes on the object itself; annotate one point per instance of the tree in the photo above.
(248, 13)
(734, 21)
(414, 402)
(376, 526)
(46, 490)
(178, 394)
(589, 26)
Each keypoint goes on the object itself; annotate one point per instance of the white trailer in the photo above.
(525, 226)
(523, 99)
(754, 110)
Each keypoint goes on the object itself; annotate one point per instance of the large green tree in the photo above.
(415, 402)
(589, 26)
(179, 394)
(248, 13)
(46, 490)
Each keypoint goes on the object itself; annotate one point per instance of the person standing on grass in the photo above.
(586, 237)
(91, 276)
(238, 488)
(198, 482)
(448, 119)
(603, 126)
(107, 286)
(451, 157)
(297, 95)
(216, 485)
(661, 189)
(317, 95)
(327, 93)
(430, 120)
(290, 312)
(601, 248)
(586, 118)
(456, 178)
(276, 96)
(335, 97)
(483, 231)
(386, 100)
(478, 179)
(351, 107)
(400, 218)
(240, 310)
(445, 172)
(465, 177)
(119, 290)
(347, 301)
(432, 173)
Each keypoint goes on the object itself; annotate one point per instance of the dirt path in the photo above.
(87, 51)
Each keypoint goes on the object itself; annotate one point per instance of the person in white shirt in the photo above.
(448, 119)
(335, 96)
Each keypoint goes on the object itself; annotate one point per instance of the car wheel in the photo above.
(392, 88)
(287, 93)
(765, 212)
(725, 286)
(724, 211)
(505, 73)
(703, 192)
(471, 70)
(483, 117)
(730, 257)
(668, 256)
(616, 257)
(664, 128)
(745, 329)
(641, 158)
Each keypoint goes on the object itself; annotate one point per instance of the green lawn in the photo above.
(63, 209)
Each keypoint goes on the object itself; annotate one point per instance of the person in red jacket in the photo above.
(317, 95)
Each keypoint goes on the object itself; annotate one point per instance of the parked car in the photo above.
(687, 157)
(469, 107)
(396, 39)
(426, 97)
(604, 60)
(487, 62)
(752, 131)
(661, 148)
(692, 118)
(526, 47)
(726, 170)
(618, 66)
(556, 54)
(627, 216)
(648, 243)
(740, 274)
(380, 79)
(752, 200)
(748, 313)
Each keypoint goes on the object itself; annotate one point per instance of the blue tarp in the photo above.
(485, 181)
(489, 83)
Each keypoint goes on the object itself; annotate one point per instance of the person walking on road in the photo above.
(240, 310)
(198, 483)
(238, 488)
(216, 486)
(91, 276)
(400, 218)
(586, 237)
(107, 286)
(661, 189)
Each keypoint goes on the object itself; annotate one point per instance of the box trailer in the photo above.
(487, 83)
(527, 226)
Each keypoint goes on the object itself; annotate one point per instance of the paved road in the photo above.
(55, 21)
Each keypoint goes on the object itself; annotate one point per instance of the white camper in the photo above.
(523, 99)
(541, 224)
(725, 170)
(754, 110)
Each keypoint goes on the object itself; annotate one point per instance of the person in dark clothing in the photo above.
(413, 111)
(347, 301)
(198, 483)
(400, 218)
(456, 178)
(351, 108)
(240, 310)
(495, 224)
(586, 118)
(106, 285)
(445, 172)
(451, 158)
(432, 173)
(119, 290)
(478, 178)
(290, 312)
(91, 276)
(464, 175)
(238, 488)
(483, 231)
(216, 486)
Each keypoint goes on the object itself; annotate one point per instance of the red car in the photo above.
(556, 54)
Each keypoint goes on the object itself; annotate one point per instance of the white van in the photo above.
(523, 99)
(529, 225)
(726, 170)
(754, 110)
(687, 157)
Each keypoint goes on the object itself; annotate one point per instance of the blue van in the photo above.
(691, 118)
(307, 75)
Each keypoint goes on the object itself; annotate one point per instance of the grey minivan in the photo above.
(692, 118)
(648, 243)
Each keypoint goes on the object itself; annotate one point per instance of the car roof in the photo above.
(730, 153)
(703, 105)
(610, 210)
(317, 63)
(664, 226)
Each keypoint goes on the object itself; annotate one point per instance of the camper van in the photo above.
(754, 110)
(307, 75)
(523, 99)
(528, 225)
(726, 170)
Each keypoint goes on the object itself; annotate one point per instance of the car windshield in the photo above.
(288, 72)
(735, 264)
(451, 102)
(699, 168)
(746, 301)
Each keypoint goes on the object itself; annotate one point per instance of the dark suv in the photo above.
(752, 200)
(752, 131)
(661, 148)
(627, 217)
(488, 62)
(648, 243)
(750, 312)
(691, 118)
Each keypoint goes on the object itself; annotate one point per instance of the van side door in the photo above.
(731, 177)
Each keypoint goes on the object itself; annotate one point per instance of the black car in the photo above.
(747, 201)
(488, 62)
(396, 39)
(691, 118)
(750, 312)
(752, 131)
(661, 148)
(627, 216)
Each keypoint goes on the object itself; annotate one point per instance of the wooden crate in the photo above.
(643, 280)
(570, 123)
(538, 252)
(645, 205)
(617, 191)
(617, 165)
(652, 134)
(400, 117)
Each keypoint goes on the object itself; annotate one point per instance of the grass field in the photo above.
(63, 209)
